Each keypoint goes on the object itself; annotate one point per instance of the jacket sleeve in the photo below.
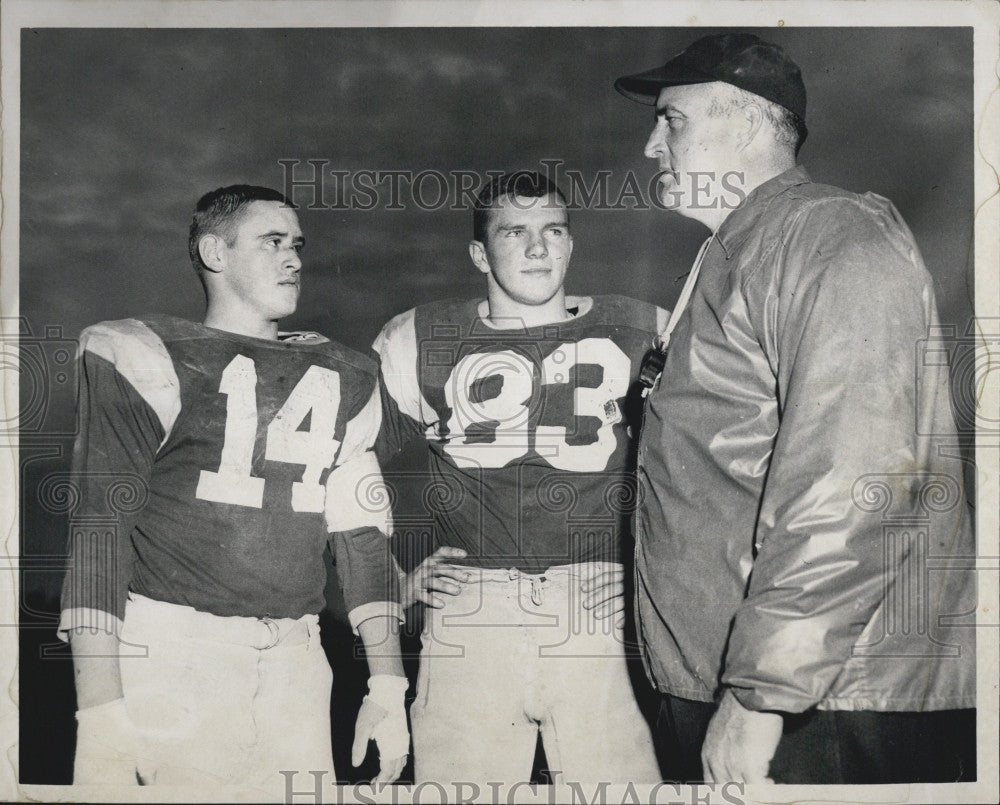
(358, 517)
(840, 324)
(127, 402)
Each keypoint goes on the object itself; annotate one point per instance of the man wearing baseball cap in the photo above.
(792, 486)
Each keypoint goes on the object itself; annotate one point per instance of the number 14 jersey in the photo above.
(528, 428)
(227, 442)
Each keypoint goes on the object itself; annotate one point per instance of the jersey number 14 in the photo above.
(317, 395)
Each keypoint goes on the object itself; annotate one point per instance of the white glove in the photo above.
(107, 746)
(391, 734)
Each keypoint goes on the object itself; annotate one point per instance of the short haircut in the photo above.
(219, 213)
(789, 129)
(526, 184)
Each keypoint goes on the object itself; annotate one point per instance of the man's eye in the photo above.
(558, 231)
(513, 233)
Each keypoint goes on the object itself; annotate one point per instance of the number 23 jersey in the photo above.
(528, 428)
(228, 442)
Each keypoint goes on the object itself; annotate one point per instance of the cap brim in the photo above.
(645, 87)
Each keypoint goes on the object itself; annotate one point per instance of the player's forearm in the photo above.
(95, 666)
(368, 573)
(380, 636)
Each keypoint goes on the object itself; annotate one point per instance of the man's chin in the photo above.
(284, 312)
(673, 199)
(288, 305)
(669, 195)
(539, 299)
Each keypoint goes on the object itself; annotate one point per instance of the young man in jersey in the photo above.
(206, 458)
(521, 398)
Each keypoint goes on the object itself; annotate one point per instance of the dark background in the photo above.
(122, 130)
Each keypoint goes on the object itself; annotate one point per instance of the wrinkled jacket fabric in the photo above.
(803, 536)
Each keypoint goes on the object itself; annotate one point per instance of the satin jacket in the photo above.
(803, 536)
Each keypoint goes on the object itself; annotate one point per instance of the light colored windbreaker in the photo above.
(803, 535)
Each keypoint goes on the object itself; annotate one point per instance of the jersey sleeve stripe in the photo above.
(141, 358)
(361, 431)
(357, 497)
(397, 347)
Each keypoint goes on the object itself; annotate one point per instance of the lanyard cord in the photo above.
(652, 365)
(663, 340)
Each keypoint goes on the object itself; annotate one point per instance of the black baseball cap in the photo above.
(743, 60)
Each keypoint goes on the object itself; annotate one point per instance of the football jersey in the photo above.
(201, 469)
(528, 428)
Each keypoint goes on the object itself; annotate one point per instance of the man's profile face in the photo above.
(528, 246)
(694, 148)
(263, 263)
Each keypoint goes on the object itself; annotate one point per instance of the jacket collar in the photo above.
(741, 221)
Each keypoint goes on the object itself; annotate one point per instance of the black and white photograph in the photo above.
(500, 402)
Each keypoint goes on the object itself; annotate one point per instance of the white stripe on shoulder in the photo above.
(140, 356)
(397, 348)
(397, 330)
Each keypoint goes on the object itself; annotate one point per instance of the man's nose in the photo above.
(293, 260)
(536, 245)
(656, 144)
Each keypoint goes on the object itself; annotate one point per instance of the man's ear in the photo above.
(750, 120)
(211, 248)
(477, 251)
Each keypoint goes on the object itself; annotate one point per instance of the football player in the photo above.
(207, 455)
(522, 398)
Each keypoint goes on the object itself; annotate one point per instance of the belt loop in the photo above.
(273, 633)
(536, 591)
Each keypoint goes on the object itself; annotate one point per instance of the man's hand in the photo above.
(382, 718)
(739, 743)
(434, 575)
(107, 746)
(604, 594)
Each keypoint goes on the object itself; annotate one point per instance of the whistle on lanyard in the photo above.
(651, 368)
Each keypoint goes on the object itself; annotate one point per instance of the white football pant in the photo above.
(226, 701)
(513, 654)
